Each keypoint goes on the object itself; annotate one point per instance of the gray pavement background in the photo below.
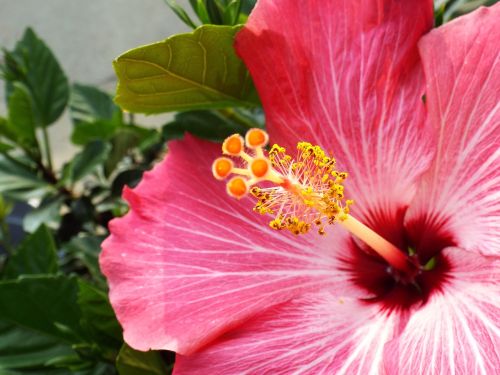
(86, 36)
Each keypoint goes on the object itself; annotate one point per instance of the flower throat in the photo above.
(300, 193)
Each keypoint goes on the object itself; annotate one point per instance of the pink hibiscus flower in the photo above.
(195, 271)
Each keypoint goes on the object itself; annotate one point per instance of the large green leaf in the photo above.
(22, 121)
(85, 162)
(46, 304)
(19, 181)
(86, 132)
(99, 320)
(47, 213)
(187, 71)
(133, 362)
(36, 255)
(125, 140)
(43, 327)
(34, 64)
(25, 349)
(86, 249)
(89, 104)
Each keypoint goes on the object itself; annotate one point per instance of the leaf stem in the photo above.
(46, 146)
(6, 239)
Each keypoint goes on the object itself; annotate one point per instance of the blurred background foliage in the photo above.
(55, 316)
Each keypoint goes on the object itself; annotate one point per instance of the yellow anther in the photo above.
(304, 191)
(276, 149)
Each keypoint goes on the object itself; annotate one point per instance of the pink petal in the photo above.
(189, 263)
(315, 334)
(346, 75)
(458, 331)
(461, 189)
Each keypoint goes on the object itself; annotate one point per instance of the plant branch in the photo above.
(5, 239)
(46, 146)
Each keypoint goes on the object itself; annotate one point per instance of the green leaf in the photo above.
(247, 6)
(98, 318)
(445, 11)
(87, 249)
(4, 147)
(89, 104)
(22, 121)
(232, 12)
(20, 182)
(6, 131)
(46, 304)
(98, 368)
(214, 12)
(129, 177)
(84, 133)
(36, 255)
(196, 70)
(133, 362)
(34, 64)
(180, 12)
(48, 213)
(42, 327)
(85, 162)
(201, 10)
(204, 124)
(25, 349)
(125, 140)
(94, 114)
(5, 208)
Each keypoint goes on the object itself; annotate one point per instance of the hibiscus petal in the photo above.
(189, 263)
(460, 191)
(315, 334)
(346, 75)
(458, 330)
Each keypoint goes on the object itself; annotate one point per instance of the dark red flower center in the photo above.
(423, 239)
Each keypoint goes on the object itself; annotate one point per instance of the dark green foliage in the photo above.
(446, 10)
(55, 317)
(132, 362)
(216, 12)
(35, 256)
(33, 64)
